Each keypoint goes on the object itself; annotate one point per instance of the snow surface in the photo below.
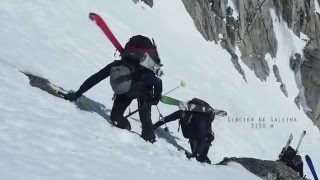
(235, 14)
(44, 137)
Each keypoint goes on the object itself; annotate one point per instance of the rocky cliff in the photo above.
(265, 169)
(248, 25)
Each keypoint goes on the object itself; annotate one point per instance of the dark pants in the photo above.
(121, 103)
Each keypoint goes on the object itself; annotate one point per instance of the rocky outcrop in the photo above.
(310, 78)
(220, 24)
(295, 62)
(297, 101)
(257, 37)
(277, 73)
(148, 2)
(265, 169)
(301, 17)
(278, 77)
(215, 22)
(248, 25)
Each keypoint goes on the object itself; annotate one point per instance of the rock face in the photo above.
(215, 17)
(278, 77)
(310, 78)
(148, 2)
(248, 25)
(302, 18)
(265, 169)
(216, 24)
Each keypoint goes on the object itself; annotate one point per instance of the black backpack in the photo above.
(207, 107)
(124, 79)
(188, 116)
(287, 154)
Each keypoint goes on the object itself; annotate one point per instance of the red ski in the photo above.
(104, 27)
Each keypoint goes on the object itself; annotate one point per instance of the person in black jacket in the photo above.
(196, 126)
(140, 54)
(291, 159)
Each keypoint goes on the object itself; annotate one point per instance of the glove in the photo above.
(71, 96)
(210, 137)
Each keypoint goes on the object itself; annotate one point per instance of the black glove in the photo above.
(210, 137)
(71, 96)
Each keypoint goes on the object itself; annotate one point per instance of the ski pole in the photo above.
(133, 112)
(162, 119)
(182, 84)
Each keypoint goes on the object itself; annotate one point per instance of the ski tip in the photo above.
(225, 114)
(91, 15)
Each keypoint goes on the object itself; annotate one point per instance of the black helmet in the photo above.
(139, 47)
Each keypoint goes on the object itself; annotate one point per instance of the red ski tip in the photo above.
(91, 16)
(104, 27)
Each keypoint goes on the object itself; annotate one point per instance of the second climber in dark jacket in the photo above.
(196, 126)
(291, 159)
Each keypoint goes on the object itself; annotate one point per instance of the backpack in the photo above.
(287, 154)
(207, 108)
(188, 116)
(124, 79)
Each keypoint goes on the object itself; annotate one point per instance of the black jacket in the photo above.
(152, 83)
(196, 130)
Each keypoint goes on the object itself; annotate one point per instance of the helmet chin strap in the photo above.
(159, 73)
(148, 62)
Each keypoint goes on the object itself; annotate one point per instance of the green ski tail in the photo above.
(300, 140)
(170, 101)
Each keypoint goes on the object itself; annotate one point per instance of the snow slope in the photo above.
(43, 137)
